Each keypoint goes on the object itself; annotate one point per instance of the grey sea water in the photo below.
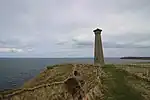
(15, 71)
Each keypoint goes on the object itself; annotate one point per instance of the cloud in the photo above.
(56, 28)
(111, 44)
(14, 50)
(84, 44)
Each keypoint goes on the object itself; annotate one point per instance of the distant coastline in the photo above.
(140, 58)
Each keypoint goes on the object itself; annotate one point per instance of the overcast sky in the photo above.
(64, 28)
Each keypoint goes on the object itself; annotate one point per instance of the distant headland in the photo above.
(141, 58)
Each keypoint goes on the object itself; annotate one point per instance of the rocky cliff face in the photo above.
(51, 84)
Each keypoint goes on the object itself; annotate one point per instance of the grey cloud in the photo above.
(83, 44)
(120, 52)
(61, 43)
(110, 44)
(126, 40)
(76, 43)
(119, 6)
(132, 5)
(15, 46)
(14, 43)
(43, 25)
(130, 40)
(2, 42)
(125, 45)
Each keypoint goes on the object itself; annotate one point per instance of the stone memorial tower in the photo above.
(98, 49)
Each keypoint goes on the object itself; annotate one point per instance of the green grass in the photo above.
(117, 87)
(51, 67)
(142, 62)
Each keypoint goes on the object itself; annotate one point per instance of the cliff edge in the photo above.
(57, 83)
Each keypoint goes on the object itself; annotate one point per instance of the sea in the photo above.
(15, 71)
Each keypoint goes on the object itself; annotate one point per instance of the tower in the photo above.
(98, 49)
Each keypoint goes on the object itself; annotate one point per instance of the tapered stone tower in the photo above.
(98, 49)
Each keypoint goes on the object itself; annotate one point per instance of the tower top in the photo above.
(97, 30)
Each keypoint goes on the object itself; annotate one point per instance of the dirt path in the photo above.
(117, 85)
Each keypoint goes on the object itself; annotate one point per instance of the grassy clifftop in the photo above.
(110, 82)
(49, 84)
